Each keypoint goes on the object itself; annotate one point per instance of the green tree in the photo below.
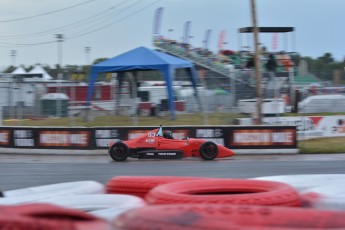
(323, 66)
(98, 60)
(327, 58)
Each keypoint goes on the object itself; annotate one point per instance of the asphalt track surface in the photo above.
(27, 170)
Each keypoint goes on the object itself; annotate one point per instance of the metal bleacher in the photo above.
(216, 75)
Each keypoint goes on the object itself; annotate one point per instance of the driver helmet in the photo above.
(168, 134)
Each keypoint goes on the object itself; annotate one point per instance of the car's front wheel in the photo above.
(208, 150)
(119, 151)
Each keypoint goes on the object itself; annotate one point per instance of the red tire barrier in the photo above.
(44, 216)
(59, 189)
(303, 182)
(226, 217)
(225, 191)
(140, 185)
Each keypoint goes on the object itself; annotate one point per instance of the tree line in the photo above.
(322, 67)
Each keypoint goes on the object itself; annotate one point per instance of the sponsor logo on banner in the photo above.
(263, 137)
(24, 138)
(312, 126)
(64, 138)
(339, 128)
(104, 136)
(214, 135)
(5, 137)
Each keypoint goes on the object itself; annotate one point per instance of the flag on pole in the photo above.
(275, 41)
(157, 21)
(221, 39)
(207, 38)
(186, 31)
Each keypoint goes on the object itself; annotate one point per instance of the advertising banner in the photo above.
(24, 137)
(5, 137)
(64, 138)
(233, 137)
(215, 135)
(276, 137)
(312, 126)
(104, 135)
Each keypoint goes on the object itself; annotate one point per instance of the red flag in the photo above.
(275, 41)
(221, 39)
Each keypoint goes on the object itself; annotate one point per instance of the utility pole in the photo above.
(59, 40)
(257, 64)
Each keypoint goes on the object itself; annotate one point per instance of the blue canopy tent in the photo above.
(144, 59)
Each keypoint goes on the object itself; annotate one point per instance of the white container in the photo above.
(270, 106)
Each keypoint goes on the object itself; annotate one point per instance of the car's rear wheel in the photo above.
(208, 150)
(119, 151)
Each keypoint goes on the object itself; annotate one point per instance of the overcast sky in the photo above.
(111, 27)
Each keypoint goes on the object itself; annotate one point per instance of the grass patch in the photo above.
(181, 119)
(322, 145)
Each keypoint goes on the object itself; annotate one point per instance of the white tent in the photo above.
(19, 70)
(40, 70)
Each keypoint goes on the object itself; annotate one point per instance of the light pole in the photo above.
(87, 55)
(87, 60)
(59, 40)
(87, 50)
(13, 55)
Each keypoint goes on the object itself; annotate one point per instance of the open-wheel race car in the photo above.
(157, 144)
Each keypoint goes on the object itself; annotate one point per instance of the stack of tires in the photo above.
(168, 202)
(210, 203)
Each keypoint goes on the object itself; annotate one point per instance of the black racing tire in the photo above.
(208, 151)
(119, 151)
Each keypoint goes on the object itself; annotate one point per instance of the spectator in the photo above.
(271, 64)
(250, 63)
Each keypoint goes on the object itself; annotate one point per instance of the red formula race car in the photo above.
(157, 144)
